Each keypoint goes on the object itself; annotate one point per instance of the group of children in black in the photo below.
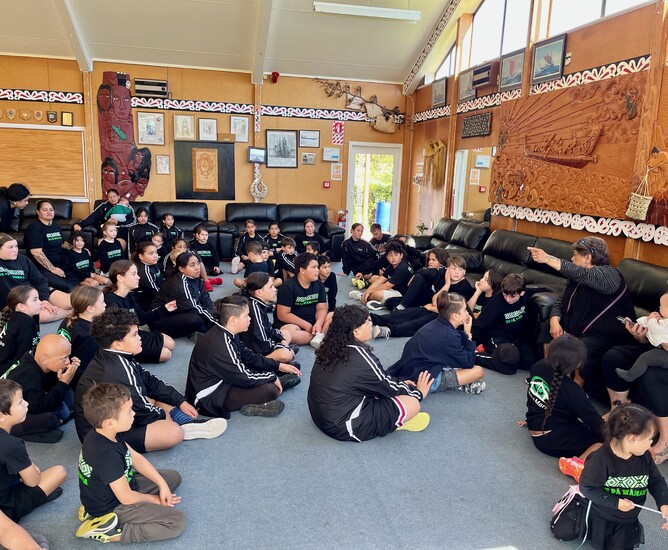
(242, 361)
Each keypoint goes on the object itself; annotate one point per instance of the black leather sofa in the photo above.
(459, 237)
(290, 218)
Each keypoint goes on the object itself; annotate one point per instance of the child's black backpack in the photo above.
(571, 515)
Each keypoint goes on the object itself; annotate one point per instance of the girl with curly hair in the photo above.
(351, 397)
(561, 419)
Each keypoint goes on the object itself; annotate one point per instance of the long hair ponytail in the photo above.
(340, 335)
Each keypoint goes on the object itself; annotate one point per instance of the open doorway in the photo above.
(374, 175)
(472, 179)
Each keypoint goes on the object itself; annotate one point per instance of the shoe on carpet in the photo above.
(380, 332)
(355, 294)
(473, 387)
(289, 381)
(268, 410)
(102, 528)
(195, 336)
(204, 430)
(294, 348)
(234, 268)
(57, 493)
(416, 424)
(317, 340)
(82, 515)
(296, 364)
(54, 436)
(216, 281)
(375, 305)
(208, 286)
(571, 467)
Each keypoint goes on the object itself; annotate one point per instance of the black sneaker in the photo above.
(296, 364)
(289, 381)
(53, 496)
(294, 348)
(268, 410)
(54, 436)
(194, 337)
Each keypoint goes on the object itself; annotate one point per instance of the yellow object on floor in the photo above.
(416, 424)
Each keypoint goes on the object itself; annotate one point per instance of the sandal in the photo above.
(660, 458)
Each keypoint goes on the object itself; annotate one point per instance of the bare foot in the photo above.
(660, 451)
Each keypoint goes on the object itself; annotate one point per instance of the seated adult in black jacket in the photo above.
(357, 254)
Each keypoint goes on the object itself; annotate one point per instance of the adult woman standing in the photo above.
(17, 270)
(43, 240)
(596, 294)
(12, 198)
(350, 396)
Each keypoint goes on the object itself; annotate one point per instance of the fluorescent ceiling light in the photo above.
(412, 16)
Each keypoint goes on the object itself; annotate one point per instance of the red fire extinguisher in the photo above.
(341, 221)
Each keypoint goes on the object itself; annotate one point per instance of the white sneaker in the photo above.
(204, 430)
(317, 340)
(355, 294)
(380, 332)
(235, 265)
(473, 387)
(375, 305)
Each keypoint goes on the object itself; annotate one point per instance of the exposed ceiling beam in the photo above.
(261, 38)
(68, 16)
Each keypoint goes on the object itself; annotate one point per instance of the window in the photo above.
(569, 14)
(447, 68)
(499, 27)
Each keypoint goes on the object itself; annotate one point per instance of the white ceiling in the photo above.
(255, 36)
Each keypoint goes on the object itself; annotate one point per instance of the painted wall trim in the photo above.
(44, 96)
(603, 226)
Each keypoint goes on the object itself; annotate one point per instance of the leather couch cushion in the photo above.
(646, 282)
(62, 208)
(187, 215)
(509, 247)
(238, 212)
(469, 235)
(473, 257)
(291, 217)
(555, 247)
(444, 229)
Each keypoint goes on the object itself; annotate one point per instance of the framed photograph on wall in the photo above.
(239, 127)
(281, 148)
(184, 127)
(466, 89)
(309, 138)
(162, 164)
(438, 88)
(208, 129)
(151, 128)
(548, 59)
(257, 155)
(512, 67)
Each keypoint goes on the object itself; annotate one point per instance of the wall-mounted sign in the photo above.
(477, 125)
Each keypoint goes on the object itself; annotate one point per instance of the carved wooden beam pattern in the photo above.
(650, 108)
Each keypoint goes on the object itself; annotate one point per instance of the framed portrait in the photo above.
(257, 155)
(331, 154)
(239, 127)
(162, 164)
(309, 138)
(204, 170)
(438, 88)
(512, 67)
(466, 89)
(66, 118)
(308, 158)
(151, 129)
(548, 59)
(208, 129)
(281, 148)
(184, 127)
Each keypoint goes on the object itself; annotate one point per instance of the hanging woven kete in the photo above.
(639, 201)
(434, 163)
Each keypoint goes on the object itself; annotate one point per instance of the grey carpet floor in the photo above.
(471, 480)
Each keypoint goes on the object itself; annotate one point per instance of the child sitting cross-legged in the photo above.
(23, 487)
(254, 263)
(163, 417)
(225, 376)
(285, 260)
(124, 498)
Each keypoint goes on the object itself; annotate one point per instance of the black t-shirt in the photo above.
(102, 462)
(19, 335)
(332, 288)
(274, 244)
(302, 239)
(47, 237)
(501, 319)
(256, 267)
(399, 276)
(463, 288)
(301, 301)
(108, 253)
(13, 459)
(79, 264)
(481, 303)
